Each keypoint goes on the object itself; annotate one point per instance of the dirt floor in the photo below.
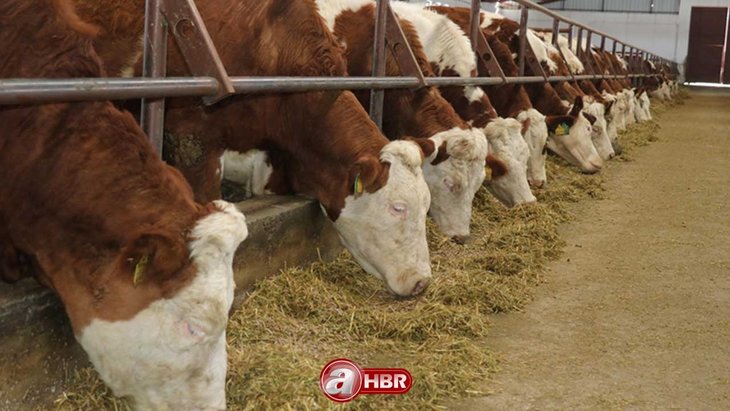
(636, 314)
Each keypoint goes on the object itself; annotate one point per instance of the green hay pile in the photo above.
(294, 323)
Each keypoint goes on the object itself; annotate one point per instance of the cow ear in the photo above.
(497, 166)
(368, 174)
(441, 155)
(609, 106)
(590, 117)
(525, 125)
(559, 125)
(154, 256)
(428, 147)
(577, 106)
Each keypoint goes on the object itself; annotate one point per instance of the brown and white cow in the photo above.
(455, 169)
(372, 189)
(143, 271)
(511, 100)
(450, 54)
(594, 103)
(576, 145)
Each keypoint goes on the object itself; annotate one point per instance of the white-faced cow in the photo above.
(373, 190)
(143, 271)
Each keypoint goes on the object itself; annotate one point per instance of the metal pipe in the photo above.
(474, 20)
(154, 65)
(523, 40)
(377, 96)
(30, 91)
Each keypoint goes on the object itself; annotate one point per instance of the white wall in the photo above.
(656, 33)
(666, 35)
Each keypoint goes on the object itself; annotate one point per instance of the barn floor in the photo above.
(636, 313)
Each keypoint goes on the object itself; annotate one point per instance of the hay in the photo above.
(294, 323)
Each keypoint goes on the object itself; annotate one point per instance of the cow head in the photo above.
(643, 112)
(454, 171)
(570, 138)
(535, 133)
(507, 163)
(611, 128)
(171, 354)
(383, 221)
(617, 115)
(631, 106)
(599, 136)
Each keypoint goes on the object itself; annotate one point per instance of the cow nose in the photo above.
(536, 183)
(460, 239)
(420, 286)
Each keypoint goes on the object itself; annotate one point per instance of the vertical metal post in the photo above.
(578, 42)
(556, 32)
(570, 37)
(154, 64)
(603, 43)
(377, 96)
(523, 39)
(474, 20)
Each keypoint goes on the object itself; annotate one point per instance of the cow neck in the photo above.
(417, 113)
(119, 44)
(99, 185)
(546, 99)
(322, 155)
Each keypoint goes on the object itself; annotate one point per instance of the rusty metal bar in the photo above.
(397, 44)
(523, 39)
(489, 66)
(474, 23)
(196, 45)
(556, 33)
(154, 65)
(377, 96)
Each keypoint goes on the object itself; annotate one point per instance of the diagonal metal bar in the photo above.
(395, 41)
(196, 45)
(489, 66)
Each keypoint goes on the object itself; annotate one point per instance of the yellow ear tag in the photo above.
(140, 269)
(488, 173)
(357, 187)
(562, 129)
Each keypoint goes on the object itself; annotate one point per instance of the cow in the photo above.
(574, 146)
(455, 171)
(372, 189)
(603, 136)
(143, 271)
(450, 55)
(511, 100)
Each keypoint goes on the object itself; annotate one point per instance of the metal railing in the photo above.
(211, 82)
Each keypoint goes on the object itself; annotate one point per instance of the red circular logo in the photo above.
(341, 380)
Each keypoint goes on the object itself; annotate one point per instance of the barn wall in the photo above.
(664, 34)
(653, 32)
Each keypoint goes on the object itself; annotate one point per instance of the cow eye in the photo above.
(193, 331)
(399, 210)
(451, 185)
